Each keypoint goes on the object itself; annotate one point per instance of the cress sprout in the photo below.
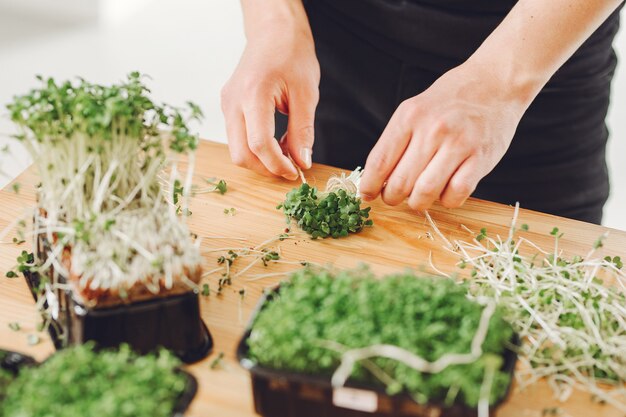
(107, 220)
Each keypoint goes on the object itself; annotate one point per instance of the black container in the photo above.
(13, 362)
(287, 394)
(171, 322)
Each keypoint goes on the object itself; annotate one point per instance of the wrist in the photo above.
(510, 80)
(287, 16)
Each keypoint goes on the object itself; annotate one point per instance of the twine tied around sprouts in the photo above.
(349, 183)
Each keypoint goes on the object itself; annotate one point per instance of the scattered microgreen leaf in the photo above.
(217, 362)
(206, 291)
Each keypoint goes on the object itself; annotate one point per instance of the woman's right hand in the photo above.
(278, 70)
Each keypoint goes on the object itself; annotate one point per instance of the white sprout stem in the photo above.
(485, 391)
(212, 271)
(350, 357)
(432, 265)
(250, 265)
(298, 169)
(191, 158)
(140, 249)
(437, 231)
(270, 275)
(350, 183)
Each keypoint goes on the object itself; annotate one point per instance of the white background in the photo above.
(189, 48)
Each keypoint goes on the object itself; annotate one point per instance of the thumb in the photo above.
(300, 131)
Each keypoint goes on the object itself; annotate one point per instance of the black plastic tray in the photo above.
(287, 394)
(171, 322)
(14, 361)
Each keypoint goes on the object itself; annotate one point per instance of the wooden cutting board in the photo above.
(400, 238)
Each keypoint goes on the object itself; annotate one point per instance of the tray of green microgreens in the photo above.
(114, 260)
(80, 381)
(415, 343)
(335, 212)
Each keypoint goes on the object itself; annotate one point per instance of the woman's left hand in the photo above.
(439, 144)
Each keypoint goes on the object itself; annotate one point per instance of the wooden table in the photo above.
(398, 239)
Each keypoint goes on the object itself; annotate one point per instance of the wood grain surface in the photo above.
(399, 239)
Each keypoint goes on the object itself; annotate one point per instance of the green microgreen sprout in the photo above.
(206, 290)
(16, 187)
(569, 312)
(221, 187)
(265, 252)
(217, 362)
(599, 242)
(551, 411)
(230, 211)
(15, 326)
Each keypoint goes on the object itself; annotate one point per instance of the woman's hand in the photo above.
(278, 69)
(440, 144)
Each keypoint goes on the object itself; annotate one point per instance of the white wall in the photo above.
(189, 47)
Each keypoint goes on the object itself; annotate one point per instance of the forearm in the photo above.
(535, 40)
(288, 15)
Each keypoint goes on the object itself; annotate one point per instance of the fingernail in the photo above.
(305, 156)
(291, 177)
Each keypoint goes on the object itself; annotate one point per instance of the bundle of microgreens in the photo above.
(99, 151)
(570, 312)
(336, 212)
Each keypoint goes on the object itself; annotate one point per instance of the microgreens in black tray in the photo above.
(78, 382)
(351, 324)
(106, 211)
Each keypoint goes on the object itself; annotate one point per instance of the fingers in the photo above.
(238, 144)
(259, 122)
(401, 181)
(433, 180)
(300, 131)
(462, 184)
(386, 154)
